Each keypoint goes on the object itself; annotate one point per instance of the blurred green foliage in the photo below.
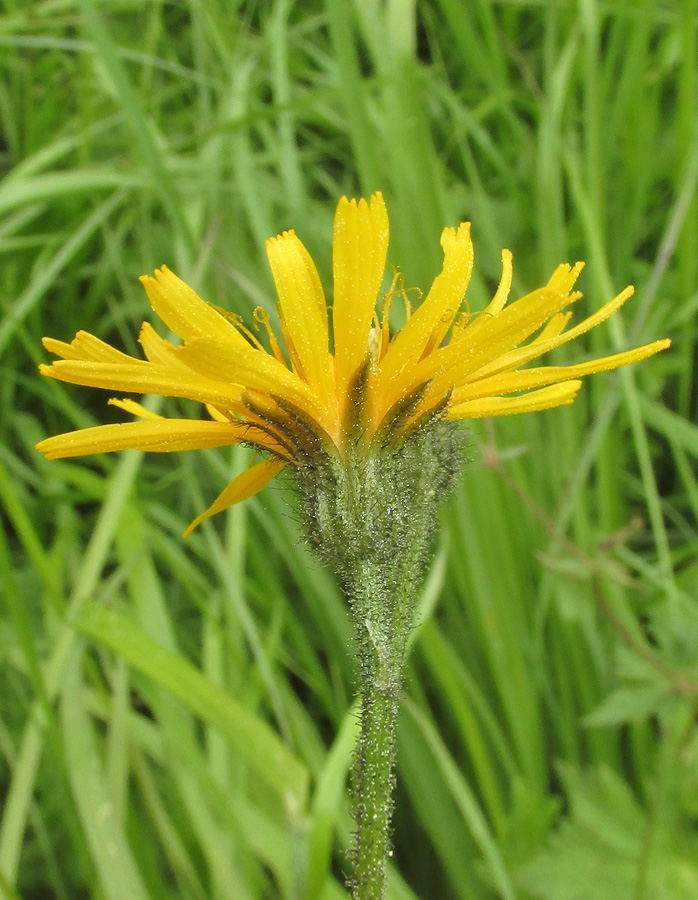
(176, 719)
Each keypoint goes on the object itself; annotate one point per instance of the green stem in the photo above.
(374, 780)
(382, 617)
(373, 774)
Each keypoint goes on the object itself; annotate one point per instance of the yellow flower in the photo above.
(310, 399)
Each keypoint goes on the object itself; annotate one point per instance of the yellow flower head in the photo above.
(327, 394)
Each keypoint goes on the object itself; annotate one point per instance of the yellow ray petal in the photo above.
(241, 488)
(296, 364)
(304, 310)
(453, 364)
(163, 353)
(438, 334)
(529, 319)
(508, 382)
(551, 329)
(482, 344)
(498, 302)
(216, 413)
(545, 398)
(359, 252)
(564, 277)
(257, 370)
(161, 436)
(444, 299)
(144, 378)
(158, 350)
(85, 346)
(184, 312)
(136, 409)
(598, 317)
(554, 327)
(553, 336)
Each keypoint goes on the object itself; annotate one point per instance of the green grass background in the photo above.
(176, 718)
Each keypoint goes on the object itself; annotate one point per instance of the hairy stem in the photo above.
(374, 779)
(382, 625)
